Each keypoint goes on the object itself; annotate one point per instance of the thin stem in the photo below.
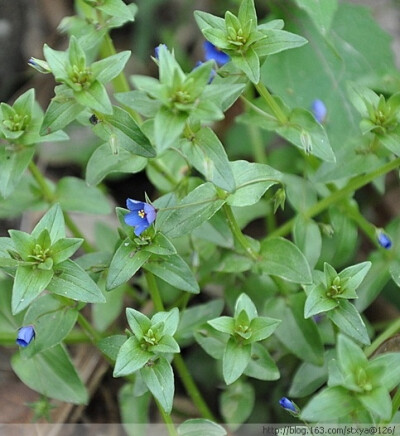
(93, 335)
(388, 333)
(191, 388)
(265, 94)
(154, 292)
(77, 233)
(167, 419)
(257, 143)
(237, 233)
(353, 185)
(48, 194)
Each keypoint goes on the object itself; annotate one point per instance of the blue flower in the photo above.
(213, 53)
(25, 335)
(383, 239)
(288, 405)
(157, 50)
(319, 110)
(141, 215)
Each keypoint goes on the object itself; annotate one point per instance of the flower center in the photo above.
(142, 213)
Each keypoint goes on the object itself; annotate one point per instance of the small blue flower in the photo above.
(141, 215)
(383, 239)
(213, 53)
(25, 335)
(288, 405)
(319, 110)
(157, 50)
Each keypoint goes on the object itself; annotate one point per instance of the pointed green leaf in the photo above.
(28, 284)
(63, 249)
(125, 263)
(282, 258)
(378, 401)
(249, 63)
(168, 126)
(261, 366)
(236, 403)
(235, 360)
(53, 221)
(131, 358)
(277, 41)
(106, 69)
(71, 281)
(175, 271)
(95, 98)
(159, 378)
(57, 377)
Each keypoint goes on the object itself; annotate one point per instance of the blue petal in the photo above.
(134, 205)
(133, 219)
(319, 110)
(141, 228)
(213, 53)
(25, 335)
(287, 404)
(150, 213)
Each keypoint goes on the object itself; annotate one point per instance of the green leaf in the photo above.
(206, 153)
(104, 315)
(21, 242)
(13, 164)
(321, 12)
(244, 303)
(193, 317)
(95, 98)
(28, 284)
(300, 336)
(350, 356)
(308, 377)
(262, 328)
(89, 200)
(52, 320)
(125, 263)
(134, 409)
(390, 362)
(261, 366)
(106, 69)
(222, 94)
(57, 61)
(349, 321)
(104, 162)
(352, 276)
(159, 378)
(63, 249)
(307, 134)
(224, 324)
(277, 40)
(247, 13)
(249, 63)
(53, 222)
(307, 237)
(330, 404)
(200, 427)
(160, 245)
(169, 320)
(116, 8)
(175, 271)
(129, 134)
(282, 258)
(198, 206)
(378, 401)
(131, 357)
(212, 341)
(138, 322)
(71, 281)
(168, 126)
(252, 181)
(318, 302)
(236, 403)
(166, 344)
(57, 377)
(111, 345)
(205, 21)
(235, 360)
(62, 110)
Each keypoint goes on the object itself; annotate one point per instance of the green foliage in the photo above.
(246, 268)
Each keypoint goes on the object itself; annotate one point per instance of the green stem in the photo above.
(191, 388)
(388, 333)
(154, 292)
(237, 233)
(77, 233)
(257, 143)
(395, 403)
(265, 94)
(93, 335)
(352, 186)
(167, 419)
(48, 194)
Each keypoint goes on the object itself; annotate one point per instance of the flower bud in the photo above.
(25, 335)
